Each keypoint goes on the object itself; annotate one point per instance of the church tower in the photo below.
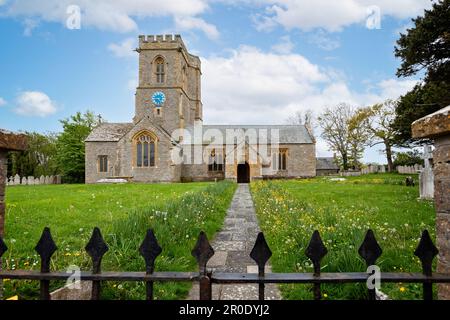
(169, 90)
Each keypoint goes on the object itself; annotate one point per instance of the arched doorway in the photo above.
(243, 173)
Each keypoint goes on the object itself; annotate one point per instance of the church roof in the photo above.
(109, 132)
(326, 164)
(288, 134)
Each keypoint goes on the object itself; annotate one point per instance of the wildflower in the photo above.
(325, 295)
(402, 289)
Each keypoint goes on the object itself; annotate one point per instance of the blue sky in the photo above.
(262, 60)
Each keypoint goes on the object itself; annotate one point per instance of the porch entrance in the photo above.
(243, 173)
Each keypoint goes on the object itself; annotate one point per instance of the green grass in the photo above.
(289, 212)
(177, 212)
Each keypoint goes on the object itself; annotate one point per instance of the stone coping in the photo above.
(433, 125)
(10, 141)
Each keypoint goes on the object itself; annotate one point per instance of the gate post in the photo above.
(8, 142)
(436, 126)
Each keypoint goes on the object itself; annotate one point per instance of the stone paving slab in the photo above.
(232, 246)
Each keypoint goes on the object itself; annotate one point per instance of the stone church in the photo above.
(168, 142)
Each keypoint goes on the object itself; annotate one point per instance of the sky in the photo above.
(262, 61)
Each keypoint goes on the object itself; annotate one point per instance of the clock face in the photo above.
(158, 98)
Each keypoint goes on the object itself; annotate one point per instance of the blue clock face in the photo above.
(158, 98)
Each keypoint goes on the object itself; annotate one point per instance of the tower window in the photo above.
(160, 70)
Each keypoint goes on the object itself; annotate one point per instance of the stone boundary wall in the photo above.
(31, 181)
(373, 169)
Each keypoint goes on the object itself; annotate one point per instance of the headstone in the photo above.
(30, 180)
(382, 169)
(17, 180)
(37, 181)
(58, 179)
(41, 180)
(46, 180)
(426, 176)
(24, 181)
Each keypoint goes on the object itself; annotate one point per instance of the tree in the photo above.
(424, 48)
(342, 137)
(39, 158)
(70, 143)
(408, 158)
(377, 122)
(305, 118)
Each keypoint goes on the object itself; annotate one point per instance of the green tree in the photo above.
(345, 138)
(408, 158)
(39, 158)
(71, 147)
(424, 48)
(376, 122)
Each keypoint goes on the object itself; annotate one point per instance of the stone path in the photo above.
(232, 246)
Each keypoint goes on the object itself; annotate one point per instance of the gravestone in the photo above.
(17, 180)
(426, 176)
(52, 180)
(436, 126)
(37, 181)
(30, 180)
(24, 181)
(46, 180)
(41, 180)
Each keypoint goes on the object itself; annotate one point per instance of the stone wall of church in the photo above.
(199, 172)
(95, 149)
(166, 170)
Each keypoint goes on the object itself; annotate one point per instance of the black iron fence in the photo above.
(369, 250)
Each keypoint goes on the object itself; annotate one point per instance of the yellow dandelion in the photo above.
(402, 289)
(325, 295)
(13, 298)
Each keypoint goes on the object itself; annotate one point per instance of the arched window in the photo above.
(145, 150)
(160, 70)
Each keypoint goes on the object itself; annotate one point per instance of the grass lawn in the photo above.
(289, 212)
(177, 213)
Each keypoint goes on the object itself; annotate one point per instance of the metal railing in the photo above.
(369, 250)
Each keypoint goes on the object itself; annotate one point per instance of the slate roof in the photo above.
(109, 132)
(326, 164)
(288, 134)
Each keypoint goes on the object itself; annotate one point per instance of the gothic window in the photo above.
(160, 70)
(102, 164)
(216, 161)
(145, 150)
(279, 159)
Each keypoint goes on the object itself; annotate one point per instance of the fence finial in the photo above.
(202, 252)
(150, 250)
(426, 251)
(261, 252)
(46, 247)
(315, 251)
(96, 248)
(370, 250)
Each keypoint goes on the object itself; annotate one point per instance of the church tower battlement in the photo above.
(169, 89)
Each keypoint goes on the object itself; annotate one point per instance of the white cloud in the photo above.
(112, 15)
(323, 40)
(253, 86)
(30, 25)
(2, 102)
(192, 23)
(284, 46)
(332, 15)
(34, 103)
(124, 49)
